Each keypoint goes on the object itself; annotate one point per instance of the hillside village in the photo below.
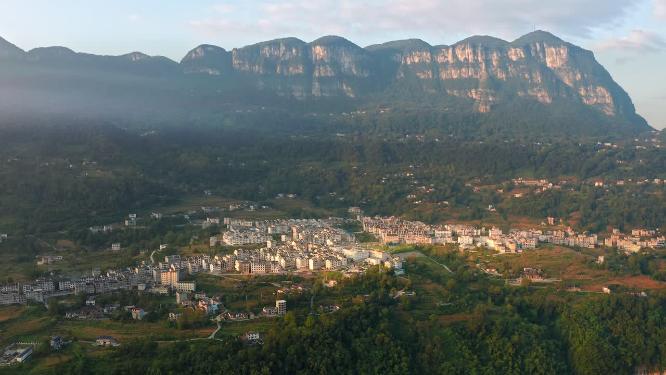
(302, 246)
(392, 230)
(289, 246)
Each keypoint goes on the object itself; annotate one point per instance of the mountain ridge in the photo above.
(482, 72)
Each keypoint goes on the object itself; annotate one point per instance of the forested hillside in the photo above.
(69, 176)
(505, 331)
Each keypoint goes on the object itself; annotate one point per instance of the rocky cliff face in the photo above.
(207, 59)
(484, 70)
(327, 67)
(479, 73)
(537, 66)
(339, 67)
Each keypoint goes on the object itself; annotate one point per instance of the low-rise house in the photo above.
(182, 297)
(12, 298)
(15, 353)
(108, 341)
(269, 311)
(252, 338)
(137, 313)
(174, 316)
(533, 274)
(48, 259)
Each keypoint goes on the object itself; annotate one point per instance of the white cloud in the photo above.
(637, 41)
(437, 20)
(660, 9)
(636, 44)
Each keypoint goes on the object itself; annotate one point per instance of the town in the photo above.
(283, 247)
(306, 246)
(392, 230)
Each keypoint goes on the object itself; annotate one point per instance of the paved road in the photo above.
(212, 335)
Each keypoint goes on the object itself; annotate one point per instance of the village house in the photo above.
(15, 353)
(137, 313)
(106, 341)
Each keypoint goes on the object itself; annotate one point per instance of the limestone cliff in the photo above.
(207, 59)
(538, 66)
(480, 73)
(483, 70)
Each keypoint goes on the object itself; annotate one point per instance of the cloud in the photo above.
(660, 9)
(633, 45)
(439, 20)
(637, 41)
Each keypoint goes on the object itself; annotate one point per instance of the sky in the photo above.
(627, 36)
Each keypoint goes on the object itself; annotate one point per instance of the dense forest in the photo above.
(77, 175)
(505, 331)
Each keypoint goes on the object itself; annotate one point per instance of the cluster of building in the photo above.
(48, 259)
(248, 232)
(16, 353)
(280, 309)
(234, 206)
(629, 181)
(131, 221)
(304, 245)
(539, 184)
(293, 245)
(20, 352)
(392, 230)
(93, 312)
(639, 239)
(197, 301)
(162, 278)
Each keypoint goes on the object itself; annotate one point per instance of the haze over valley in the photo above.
(318, 204)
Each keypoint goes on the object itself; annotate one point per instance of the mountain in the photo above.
(207, 59)
(538, 75)
(9, 51)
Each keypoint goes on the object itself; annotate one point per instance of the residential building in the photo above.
(281, 307)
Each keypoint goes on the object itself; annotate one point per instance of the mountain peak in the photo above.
(8, 49)
(484, 40)
(51, 53)
(334, 40)
(209, 48)
(136, 56)
(207, 59)
(538, 36)
(289, 41)
(401, 45)
(203, 51)
(4, 44)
